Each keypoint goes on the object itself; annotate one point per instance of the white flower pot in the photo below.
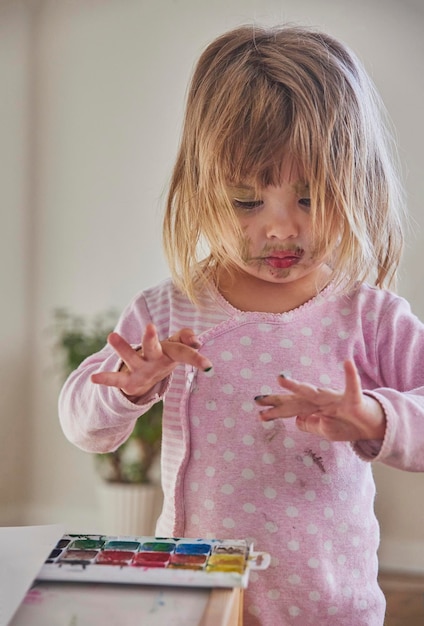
(128, 509)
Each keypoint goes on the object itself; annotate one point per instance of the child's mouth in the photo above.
(282, 260)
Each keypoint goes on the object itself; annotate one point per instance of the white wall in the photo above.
(90, 152)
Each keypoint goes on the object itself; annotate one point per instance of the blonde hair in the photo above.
(257, 96)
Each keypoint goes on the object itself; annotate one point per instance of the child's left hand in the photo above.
(348, 415)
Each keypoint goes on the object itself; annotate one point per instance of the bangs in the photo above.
(257, 138)
(246, 124)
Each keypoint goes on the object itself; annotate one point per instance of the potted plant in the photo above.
(129, 489)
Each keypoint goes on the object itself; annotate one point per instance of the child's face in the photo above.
(277, 244)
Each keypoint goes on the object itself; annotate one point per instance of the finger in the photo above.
(177, 351)
(290, 407)
(110, 379)
(152, 348)
(353, 389)
(186, 336)
(309, 423)
(124, 350)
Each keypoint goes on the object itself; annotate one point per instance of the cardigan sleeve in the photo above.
(97, 418)
(399, 353)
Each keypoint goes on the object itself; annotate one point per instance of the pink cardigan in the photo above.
(307, 501)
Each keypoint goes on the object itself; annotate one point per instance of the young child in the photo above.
(284, 373)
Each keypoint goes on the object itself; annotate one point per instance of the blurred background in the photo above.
(92, 95)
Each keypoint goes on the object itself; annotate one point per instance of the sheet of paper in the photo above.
(73, 604)
(23, 550)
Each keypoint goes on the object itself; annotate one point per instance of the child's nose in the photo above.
(281, 223)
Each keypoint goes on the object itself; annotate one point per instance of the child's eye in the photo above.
(305, 202)
(247, 205)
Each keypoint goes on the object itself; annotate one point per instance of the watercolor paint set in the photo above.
(152, 560)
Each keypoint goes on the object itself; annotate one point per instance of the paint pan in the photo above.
(152, 560)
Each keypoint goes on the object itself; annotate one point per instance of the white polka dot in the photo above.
(248, 507)
(275, 562)
(226, 355)
(310, 495)
(209, 374)
(324, 348)
(356, 541)
(343, 528)
(212, 438)
(308, 461)
(292, 511)
(227, 522)
(356, 509)
(326, 321)
(265, 328)
(341, 559)
(305, 360)
(332, 610)
(227, 489)
(195, 420)
(330, 579)
(326, 479)
(271, 527)
(268, 425)
(314, 596)
(229, 422)
(273, 594)
(228, 455)
(343, 334)
(254, 610)
(194, 519)
(294, 611)
(288, 442)
(248, 474)
(209, 505)
(197, 454)
(248, 406)
(248, 440)
(286, 343)
(328, 545)
(362, 605)
(324, 445)
(264, 389)
(311, 529)
(313, 563)
(294, 579)
(270, 493)
(246, 341)
(194, 486)
(347, 592)
(265, 357)
(356, 573)
(254, 577)
(210, 471)
(325, 379)
(293, 545)
(268, 458)
(306, 331)
(246, 373)
(328, 512)
(287, 373)
(346, 311)
(228, 389)
(211, 405)
(289, 477)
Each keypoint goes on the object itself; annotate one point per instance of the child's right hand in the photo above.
(143, 368)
